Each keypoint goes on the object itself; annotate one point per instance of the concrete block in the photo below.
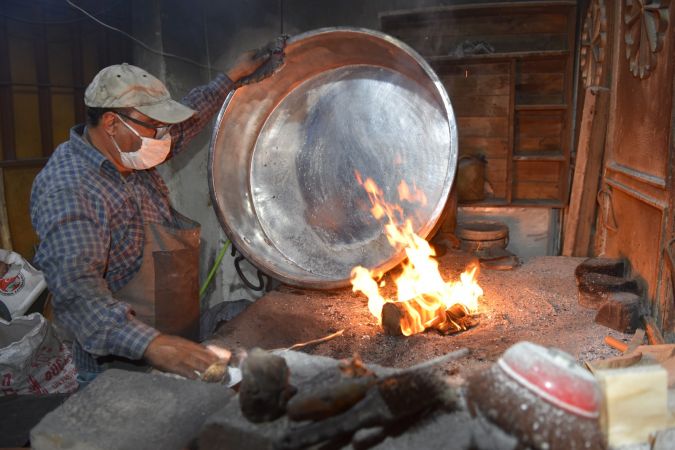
(123, 410)
(621, 312)
(439, 430)
(227, 428)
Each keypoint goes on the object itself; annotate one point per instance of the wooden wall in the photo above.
(513, 104)
(635, 219)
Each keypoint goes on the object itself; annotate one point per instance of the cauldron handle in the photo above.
(237, 267)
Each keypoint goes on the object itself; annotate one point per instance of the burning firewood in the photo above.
(396, 316)
(424, 297)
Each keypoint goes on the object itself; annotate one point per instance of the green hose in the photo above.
(212, 272)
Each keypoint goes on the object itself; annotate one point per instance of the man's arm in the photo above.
(73, 255)
(208, 99)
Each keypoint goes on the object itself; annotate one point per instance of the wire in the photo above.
(53, 22)
(141, 43)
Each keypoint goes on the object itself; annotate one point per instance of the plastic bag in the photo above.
(33, 360)
(20, 285)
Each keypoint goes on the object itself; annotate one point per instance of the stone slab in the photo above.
(123, 410)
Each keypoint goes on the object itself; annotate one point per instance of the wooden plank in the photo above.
(430, 43)
(485, 106)
(482, 126)
(536, 171)
(5, 234)
(6, 97)
(512, 145)
(590, 152)
(486, 25)
(469, 83)
(524, 190)
(491, 147)
(426, 16)
(541, 84)
(44, 91)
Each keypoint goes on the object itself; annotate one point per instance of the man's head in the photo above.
(131, 110)
(124, 86)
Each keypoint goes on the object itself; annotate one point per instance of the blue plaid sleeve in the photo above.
(75, 237)
(206, 100)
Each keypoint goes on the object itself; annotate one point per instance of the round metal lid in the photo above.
(285, 151)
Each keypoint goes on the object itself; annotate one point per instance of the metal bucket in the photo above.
(284, 154)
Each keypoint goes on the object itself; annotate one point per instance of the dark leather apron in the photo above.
(165, 292)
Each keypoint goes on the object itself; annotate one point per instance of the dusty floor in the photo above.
(535, 302)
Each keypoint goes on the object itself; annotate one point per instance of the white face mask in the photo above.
(151, 153)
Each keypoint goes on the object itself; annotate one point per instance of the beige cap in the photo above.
(127, 86)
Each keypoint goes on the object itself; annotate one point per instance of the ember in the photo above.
(424, 299)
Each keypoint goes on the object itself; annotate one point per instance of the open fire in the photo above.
(424, 299)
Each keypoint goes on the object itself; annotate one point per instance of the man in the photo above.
(121, 264)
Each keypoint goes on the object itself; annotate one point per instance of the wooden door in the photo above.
(635, 215)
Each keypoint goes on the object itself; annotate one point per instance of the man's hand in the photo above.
(255, 65)
(177, 355)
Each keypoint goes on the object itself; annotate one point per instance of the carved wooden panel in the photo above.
(594, 44)
(646, 24)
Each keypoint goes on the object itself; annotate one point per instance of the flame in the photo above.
(422, 293)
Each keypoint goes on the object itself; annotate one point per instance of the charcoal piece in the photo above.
(536, 423)
(264, 390)
(609, 266)
(594, 288)
(329, 399)
(621, 312)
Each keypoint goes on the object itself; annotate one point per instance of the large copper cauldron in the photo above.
(285, 151)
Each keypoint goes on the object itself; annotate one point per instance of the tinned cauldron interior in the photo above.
(285, 151)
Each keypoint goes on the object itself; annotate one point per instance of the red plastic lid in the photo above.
(553, 375)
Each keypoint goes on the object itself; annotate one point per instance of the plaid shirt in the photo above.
(90, 222)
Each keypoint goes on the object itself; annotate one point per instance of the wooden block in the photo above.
(635, 403)
(621, 312)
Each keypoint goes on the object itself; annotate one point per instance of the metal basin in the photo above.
(284, 154)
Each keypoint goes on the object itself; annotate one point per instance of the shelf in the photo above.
(539, 203)
(539, 157)
(498, 56)
(552, 107)
(486, 202)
